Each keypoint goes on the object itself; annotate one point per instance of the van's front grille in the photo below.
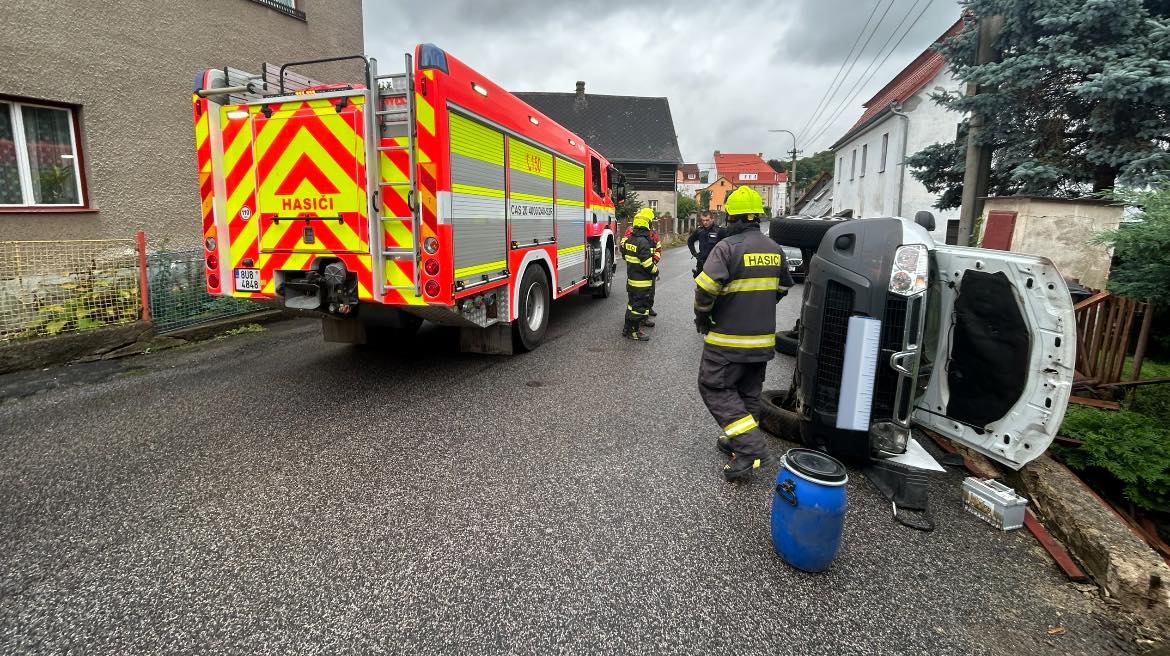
(831, 355)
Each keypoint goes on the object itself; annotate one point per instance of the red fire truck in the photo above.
(430, 194)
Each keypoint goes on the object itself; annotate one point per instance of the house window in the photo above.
(651, 172)
(864, 155)
(853, 165)
(840, 169)
(39, 163)
(653, 205)
(287, 7)
(885, 145)
(749, 176)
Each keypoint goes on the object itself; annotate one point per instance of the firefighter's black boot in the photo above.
(648, 322)
(724, 445)
(631, 331)
(653, 314)
(743, 465)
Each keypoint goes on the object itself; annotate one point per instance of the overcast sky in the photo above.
(730, 69)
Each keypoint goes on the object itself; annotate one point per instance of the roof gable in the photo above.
(907, 82)
(622, 128)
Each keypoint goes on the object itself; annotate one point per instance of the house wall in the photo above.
(1061, 230)
(667, 201)
(129, 66)
(873, 192)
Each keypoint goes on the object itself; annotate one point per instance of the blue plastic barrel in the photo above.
(808, 509)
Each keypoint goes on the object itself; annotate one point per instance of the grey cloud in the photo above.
(715, 62)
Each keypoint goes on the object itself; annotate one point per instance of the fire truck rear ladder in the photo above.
(383, 88)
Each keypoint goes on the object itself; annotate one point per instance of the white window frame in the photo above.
(864, 156)
(885, 147)
(653, 204)
(853, 166)
(24, 167)
(749, 176)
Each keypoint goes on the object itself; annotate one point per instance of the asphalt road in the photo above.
(270, 493)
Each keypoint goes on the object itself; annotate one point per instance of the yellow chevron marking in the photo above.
(398, 233)
(424, 112)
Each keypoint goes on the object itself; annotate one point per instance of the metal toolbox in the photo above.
(994, 503)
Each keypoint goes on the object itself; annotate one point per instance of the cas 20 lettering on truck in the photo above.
(428, 194)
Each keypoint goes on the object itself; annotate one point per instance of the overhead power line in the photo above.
(861, 87)
(844, 63)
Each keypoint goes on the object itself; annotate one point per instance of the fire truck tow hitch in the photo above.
(334, 289)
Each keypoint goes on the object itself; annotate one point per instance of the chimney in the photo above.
(760, 155)
(580, 88)
(717, 153)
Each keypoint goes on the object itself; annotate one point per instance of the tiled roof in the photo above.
(689, 168)
(731, 165)
(622, 128)
(906, 83)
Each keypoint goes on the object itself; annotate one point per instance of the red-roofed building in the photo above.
(898, 121)
(689, 180)
(750, 169)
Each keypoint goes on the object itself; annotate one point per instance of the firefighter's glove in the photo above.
(703, 322)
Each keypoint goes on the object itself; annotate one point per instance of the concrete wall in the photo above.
(667, 201)
(1061, 230)
(129, 66)
(874, 191)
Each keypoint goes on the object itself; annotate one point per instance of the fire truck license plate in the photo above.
(247, 280)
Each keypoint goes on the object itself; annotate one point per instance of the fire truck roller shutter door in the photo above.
(570, 216)
(530, 195)
(478, 227)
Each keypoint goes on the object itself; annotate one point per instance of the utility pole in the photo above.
(791, 173)
(978, 164)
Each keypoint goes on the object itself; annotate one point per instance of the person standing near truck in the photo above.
(657, 241)
(641, 268)
(736, 293)
(705, 236)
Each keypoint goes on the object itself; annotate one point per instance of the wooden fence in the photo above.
(1105, 327)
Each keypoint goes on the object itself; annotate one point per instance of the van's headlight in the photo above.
(909, 273)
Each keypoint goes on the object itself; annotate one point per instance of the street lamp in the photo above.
(792, 173)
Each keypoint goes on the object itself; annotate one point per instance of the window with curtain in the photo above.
(39, 162)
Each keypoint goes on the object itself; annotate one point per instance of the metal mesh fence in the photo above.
(55, 287)
(178, 297)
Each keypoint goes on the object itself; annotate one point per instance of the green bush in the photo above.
(1133, 447)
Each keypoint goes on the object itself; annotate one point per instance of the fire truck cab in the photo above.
(427, 194)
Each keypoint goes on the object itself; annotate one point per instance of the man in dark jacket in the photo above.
(705, 237)
(641, 267)
(735, 310)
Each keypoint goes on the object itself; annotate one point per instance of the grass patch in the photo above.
(242, 330)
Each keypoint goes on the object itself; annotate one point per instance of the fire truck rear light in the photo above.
(212, 262)
(213, 281)
(210, 243)
(431, 267)
(431, 245)
(431, 288)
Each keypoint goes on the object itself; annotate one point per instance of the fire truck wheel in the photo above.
(532, 312)
(776, 419)
(606, 288)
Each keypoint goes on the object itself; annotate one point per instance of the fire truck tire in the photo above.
(800, 233)
(606, 288)
(775, 419)
(532, 311)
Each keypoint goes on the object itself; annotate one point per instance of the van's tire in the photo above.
(776, 420)
(606, 288)
(533, 309)
(787, 342)
(799, 233)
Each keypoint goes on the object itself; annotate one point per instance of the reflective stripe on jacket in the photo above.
(638, 252)
(742, 280)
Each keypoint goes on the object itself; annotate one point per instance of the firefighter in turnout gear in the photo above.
(641, 267)
(654, 237)
(735, 310)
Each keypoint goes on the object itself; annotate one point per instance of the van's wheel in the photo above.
(777, 420)
(804, 234)
(606, 288)
(532, 312)
(787, 342)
